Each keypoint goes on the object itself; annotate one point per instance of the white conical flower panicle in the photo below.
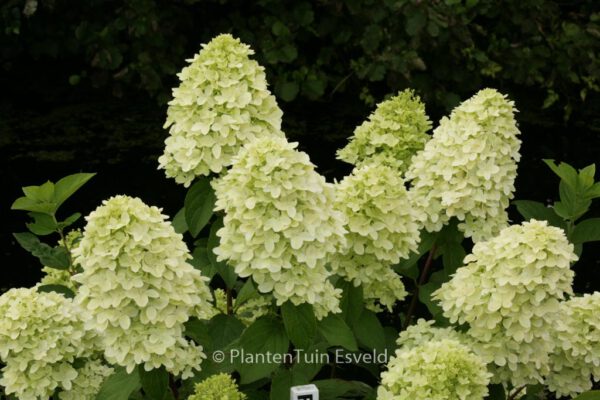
(382, 229)
(434, 370)
(41, 335)
(467, 170)
(221, 103)
(509, 293)
(577, 356)
(280, 225)
(394, 132)
(139, 288)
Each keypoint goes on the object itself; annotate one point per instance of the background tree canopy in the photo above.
(85, 83)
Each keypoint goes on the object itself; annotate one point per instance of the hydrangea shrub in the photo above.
(221, 103)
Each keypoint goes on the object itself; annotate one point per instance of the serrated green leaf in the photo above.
(300, 324)
(199, 204)
(337, 332)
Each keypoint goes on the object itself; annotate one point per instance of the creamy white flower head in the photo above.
(577, 357)
(394, 132)
(434, 370)
(221, 103)
(509, 292)
(467, 170)
(424, 331)
(280, 225)
(139, 288)
(89, 379)
(381, 227)
(41, 335)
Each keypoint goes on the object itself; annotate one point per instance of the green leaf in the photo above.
(288, 91)
(198, 330)
(332, 389)
(309, 363)
(70, 220)
(593, 191)
(337, 333)
(120, 385)
(201, 261)
(26, 204)
(565, 172)
(266, 334)
(496, 392)
(41, 194)
(65, 291)
(247, 292)
(369, 331)
(155, 383)
(587, 230)
(591, 395)
(415, 22)
(179, 223)
(224, 329)
(43, 224)
(223, 269)
(281, 384)
(52, 257)
(300, 324)
(64, 188)
(586, 176)
(453, 255)
(351, 302)
(535, 210)
(199, 204)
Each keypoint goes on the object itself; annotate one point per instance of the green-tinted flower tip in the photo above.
(393, 133)
(280, 225)
(467, 170)
(217, 387)
(139, 288)
(221, 103)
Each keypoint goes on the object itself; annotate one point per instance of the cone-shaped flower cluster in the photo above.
(41, 335)
(392, 134)
(424, 331)
(434, 370)
(577, 356)
(138, 287)
(381, 227)
(89, 379)
(221, 103)
(509, 292)
(217, 387)
(467, 170)
(280, 225)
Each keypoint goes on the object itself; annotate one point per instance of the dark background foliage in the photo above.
(84, 85)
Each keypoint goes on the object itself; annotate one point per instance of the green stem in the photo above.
(229, 302)
(516, 392)
(422, 280)
(66, 246)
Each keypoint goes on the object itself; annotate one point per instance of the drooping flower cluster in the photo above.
(280, 225)
(509, 292)
(381, 230)
(41, 335)
(434, 370)
(577, 356)
(467, 170)
(221, 103)
(89, 379)
(138, 287)
(392, 134)
(217, 387)
(249, 311)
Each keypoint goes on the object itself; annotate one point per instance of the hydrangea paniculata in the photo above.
(434, 370)
(509, 293)
(381, 230)
(247, 312)
(467, 170)
(217, 387)
(90, 378)
(53, 276)
(280, 225)
(139, 288)
(577, 357)
(41, 335)
(221, 103)
(393, 133)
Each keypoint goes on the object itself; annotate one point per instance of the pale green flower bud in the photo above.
(467, 170)
(249, 311)
(139, 288)
(221, 103)
(577, 356)
(280, 225)
(509, 293)
(217, 387)
(41, 335)
(394, 132)
(434, 370)
(381, 230)
(89, 379)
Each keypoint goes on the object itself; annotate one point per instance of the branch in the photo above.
(422, 280)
